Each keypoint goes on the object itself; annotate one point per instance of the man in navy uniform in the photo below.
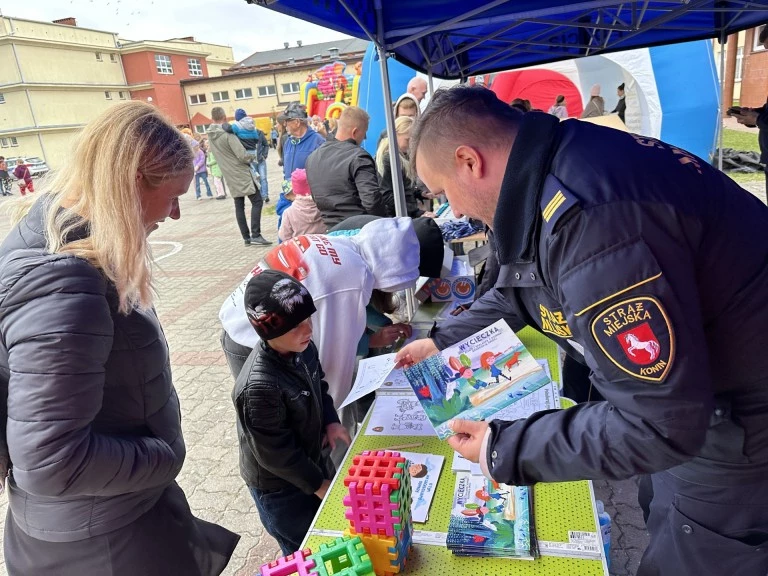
(649, 266)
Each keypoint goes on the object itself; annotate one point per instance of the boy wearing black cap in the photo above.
(285, 416)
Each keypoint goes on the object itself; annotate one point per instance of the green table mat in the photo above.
(558, 507)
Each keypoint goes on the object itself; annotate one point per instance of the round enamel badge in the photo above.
(636, 335)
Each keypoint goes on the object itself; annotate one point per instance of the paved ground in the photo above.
(201, 258)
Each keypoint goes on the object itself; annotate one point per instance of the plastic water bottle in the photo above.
(605, 529)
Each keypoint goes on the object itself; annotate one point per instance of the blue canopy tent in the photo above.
(457, 40)
(462, 39)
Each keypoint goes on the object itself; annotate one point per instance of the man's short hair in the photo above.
(406, 104)
(218, 114)
(464, 115)
(353, 116)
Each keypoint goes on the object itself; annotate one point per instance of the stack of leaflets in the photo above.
(476, 378)
(492, 520)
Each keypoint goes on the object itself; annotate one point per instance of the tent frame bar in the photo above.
(357, 20)
(721, 107)
(455, 24)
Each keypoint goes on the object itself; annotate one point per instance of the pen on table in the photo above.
(404, 446)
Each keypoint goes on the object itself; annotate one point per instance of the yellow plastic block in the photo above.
(385, 562)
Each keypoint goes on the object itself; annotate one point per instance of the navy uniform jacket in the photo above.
(654, 266)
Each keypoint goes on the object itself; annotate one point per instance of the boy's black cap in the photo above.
(276, 303)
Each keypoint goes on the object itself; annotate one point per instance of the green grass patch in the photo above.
(268, 209)
(741, 141)
(746, 178)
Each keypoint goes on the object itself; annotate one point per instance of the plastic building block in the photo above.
(347, 557)
(373, 513)
(388, 555)
(377, 467)
(299, 563)
(379, 508)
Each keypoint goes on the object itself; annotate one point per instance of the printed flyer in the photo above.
(475, 378)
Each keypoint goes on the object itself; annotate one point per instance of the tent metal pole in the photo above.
(722, 103)
(430, 83)
(394, 158)
(398, 189)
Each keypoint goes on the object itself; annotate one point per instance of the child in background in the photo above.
(5, 178)
(283, 203)
(218, 177)
(285, 417)
(24, 176)
(201, 172)
(302, 217)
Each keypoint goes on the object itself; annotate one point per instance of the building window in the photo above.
(290, 88)
(14, 142)
(113, 57)
(2, 98)
(3, 142)
(739, 63)
(195, 68)
(122, 95)
(197, 99)
(163, 64)
(107, 94)
(202, 128)
(222, 96)
(99, 57)
(266, 91)
(756, 46)
(243, 93)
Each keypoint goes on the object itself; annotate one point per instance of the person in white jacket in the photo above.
(341, 274)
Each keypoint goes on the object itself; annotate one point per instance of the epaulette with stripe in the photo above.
(556, 201)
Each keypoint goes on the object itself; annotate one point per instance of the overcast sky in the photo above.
(245, 27)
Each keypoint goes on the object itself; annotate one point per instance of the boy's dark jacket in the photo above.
(283, 408)
(258, 144)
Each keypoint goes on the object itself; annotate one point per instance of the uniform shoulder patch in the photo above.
(636, 335)
(556, 200)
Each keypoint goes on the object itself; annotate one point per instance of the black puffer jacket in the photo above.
(342, 178)
(92, 421)
(283, 408)
(388, 190)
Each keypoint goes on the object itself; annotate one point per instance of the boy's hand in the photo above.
(334, 432)
(415, 352)
(389, 335)
(468, 440)
(323, 490)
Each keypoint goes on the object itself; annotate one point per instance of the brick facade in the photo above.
(754, 83)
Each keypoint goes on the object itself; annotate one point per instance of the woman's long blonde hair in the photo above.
(403, 125)
(99, 189)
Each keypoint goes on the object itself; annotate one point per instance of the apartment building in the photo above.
(55, 77)
(746, 69)
(154, 70)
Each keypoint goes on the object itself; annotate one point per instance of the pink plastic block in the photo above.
(296, 564)
(370, 513)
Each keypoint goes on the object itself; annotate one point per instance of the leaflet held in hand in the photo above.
(475, 378)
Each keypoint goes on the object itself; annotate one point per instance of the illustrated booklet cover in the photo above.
(475, 378)
(491, 519)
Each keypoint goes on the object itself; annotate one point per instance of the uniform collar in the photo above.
(518, 219)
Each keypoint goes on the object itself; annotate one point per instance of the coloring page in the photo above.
(398, 416)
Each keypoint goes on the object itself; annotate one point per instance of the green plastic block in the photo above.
(346, 556)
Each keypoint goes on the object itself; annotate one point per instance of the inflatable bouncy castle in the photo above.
(329, 89)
